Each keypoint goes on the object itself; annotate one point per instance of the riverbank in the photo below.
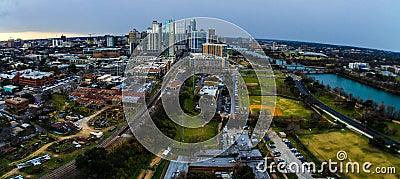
(396, 92)
(357, 90)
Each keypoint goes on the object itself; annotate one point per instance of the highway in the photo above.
(344, 119)
(69, 168)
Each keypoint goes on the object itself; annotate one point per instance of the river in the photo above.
(360, 90)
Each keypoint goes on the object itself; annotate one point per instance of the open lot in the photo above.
(326, 145)
(285, 106)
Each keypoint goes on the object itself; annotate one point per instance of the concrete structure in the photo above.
(110, 40)
(169, 39)
(36, 79)
(219, 50)
(196, 40)
(106, 53)
(17, 104)
(204, 61)
(153, 39)
(358, 65)
(213, 165)
(212, 36)
(114, 69)
(10, 88)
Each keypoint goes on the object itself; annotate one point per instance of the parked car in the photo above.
(272, 146)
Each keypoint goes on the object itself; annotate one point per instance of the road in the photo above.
(344, 119)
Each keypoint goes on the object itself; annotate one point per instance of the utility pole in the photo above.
(183, 127)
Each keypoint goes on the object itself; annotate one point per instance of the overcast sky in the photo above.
(365, 23)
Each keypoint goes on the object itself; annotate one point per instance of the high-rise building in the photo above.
(197, 39)
(63, 38)
(153, 40)
(180, 35)
(169, 39)
(212, 36)
(192, 25)
(10, 43)
(110, 41)
(219, 50)
(133, 39)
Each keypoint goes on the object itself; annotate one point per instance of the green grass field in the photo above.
(199, 134)
(289, 107)
(58, 100)
(326, 145)
(397, 127)
(330, 101)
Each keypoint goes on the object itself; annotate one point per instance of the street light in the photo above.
(309, 135)
(365, 127)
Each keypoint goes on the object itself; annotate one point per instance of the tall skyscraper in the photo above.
(196, 41)
(192, 26)
(133, 39)
(154, 35)
(180, 32)
(212, 36)
(170, 38)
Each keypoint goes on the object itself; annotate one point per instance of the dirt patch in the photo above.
(277, 111)
(251, 84)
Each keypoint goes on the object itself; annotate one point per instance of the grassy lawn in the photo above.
(58, 100)
(199, 134)
(288, 107)
(330, 101)
(291, 107)
(396, 126)
(326, 145)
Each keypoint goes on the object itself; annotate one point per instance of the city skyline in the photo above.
(369, 24)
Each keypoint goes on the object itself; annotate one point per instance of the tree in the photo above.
(94, 162)
(382, 107)
(390, 111)
(245, 172)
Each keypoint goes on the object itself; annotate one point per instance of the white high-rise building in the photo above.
(180, 32)
(154, 36)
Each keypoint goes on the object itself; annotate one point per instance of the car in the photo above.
(303, 160)
(280, 160)
(294, 150)
(276, 153)
(297, 154)
(272, 146)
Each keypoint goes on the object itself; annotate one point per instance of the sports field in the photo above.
(326, 145)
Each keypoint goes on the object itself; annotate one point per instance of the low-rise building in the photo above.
(17, 104)
(106, 53)
(36, 79)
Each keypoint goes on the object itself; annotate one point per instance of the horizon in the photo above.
(359, 23)
(53, 35)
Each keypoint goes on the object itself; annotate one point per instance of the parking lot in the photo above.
(285, 153)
